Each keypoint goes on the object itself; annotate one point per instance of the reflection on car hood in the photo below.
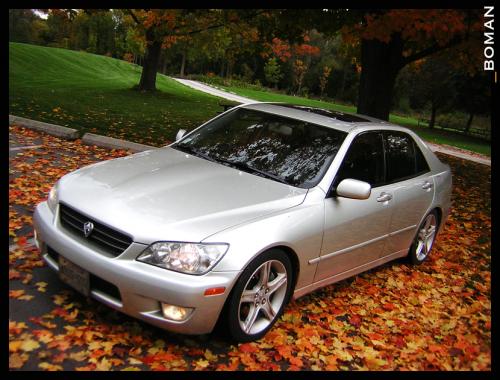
(165, 194)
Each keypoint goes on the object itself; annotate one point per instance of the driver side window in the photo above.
(364, 160)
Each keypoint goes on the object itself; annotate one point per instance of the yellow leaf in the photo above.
(29, 345)
(131, 369)
(59, 300)
(50, 367)
(209, 356)
(94, 346)
(103, 365)
(16, 361)
(134, 361)
(79, 356)
(108, 346)
(202, 363)
(15, 345)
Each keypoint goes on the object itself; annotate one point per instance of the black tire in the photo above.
(251, 316)
(424, 240)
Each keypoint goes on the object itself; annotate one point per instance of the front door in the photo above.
(355, 230)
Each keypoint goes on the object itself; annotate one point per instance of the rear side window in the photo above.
(422, 165)
(404, 159)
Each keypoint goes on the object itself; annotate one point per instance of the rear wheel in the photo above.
(260, 295)
(424, 240)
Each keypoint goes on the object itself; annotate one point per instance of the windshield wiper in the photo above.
(251, 169)
(193, 151)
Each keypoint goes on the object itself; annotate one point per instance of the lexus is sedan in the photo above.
(264, 202)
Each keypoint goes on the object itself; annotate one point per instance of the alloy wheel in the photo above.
(425, 237)
(262, 297)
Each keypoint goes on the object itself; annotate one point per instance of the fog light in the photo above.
(176, 313)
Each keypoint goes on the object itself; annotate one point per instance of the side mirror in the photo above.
(352, 188)
(180, 134)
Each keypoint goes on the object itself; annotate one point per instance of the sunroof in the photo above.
(333, 114)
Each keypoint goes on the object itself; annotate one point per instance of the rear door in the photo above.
(413, 188)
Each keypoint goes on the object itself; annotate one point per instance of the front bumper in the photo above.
(141, 286)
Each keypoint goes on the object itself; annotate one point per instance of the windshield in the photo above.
(286, 150)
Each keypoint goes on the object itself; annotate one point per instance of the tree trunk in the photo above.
(183, 64)
(151, 61)
(380, 64)
(469, 123)
(222, 68)
(432, 121)
(340, 95)
(229, 72)
(164, 68)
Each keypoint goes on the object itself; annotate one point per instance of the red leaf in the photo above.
(355, 320)
(248, 347)
(389, 306)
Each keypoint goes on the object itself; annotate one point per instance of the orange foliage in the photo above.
(435, 316)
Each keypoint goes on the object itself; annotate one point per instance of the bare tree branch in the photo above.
(431, 50)
(134, 17)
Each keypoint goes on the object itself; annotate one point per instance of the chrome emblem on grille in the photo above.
(88, 227)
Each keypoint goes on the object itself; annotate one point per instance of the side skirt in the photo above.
(351, 272)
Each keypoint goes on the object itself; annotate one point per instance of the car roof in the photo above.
(343, 121)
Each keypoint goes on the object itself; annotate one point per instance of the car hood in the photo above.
(165, 194)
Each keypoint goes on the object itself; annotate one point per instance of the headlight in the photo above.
(52, 199)
(190, 258)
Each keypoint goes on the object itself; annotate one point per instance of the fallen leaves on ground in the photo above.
(436, 316)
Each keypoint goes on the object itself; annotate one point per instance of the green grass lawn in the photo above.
(437, 136)
(94, 93)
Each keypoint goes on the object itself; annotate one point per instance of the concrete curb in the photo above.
(111, 142)
(51, 129)
(440, 149)
(72, 134)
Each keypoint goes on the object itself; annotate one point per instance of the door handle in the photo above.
(384, 197)
(427, 185)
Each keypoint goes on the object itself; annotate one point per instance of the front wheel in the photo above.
(424, 240)
(260, 295)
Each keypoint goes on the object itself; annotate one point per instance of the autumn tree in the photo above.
(391, 39)
(299, 70)
(323, 80)
(59, 26)
(432, 85)
(388, 40)
(21, 25)
(473, 95)
(161, 28)
(272, 71)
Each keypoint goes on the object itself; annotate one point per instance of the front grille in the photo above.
(105, 238)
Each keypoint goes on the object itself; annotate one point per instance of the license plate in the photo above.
(73, 275)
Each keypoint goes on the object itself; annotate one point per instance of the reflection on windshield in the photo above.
(288, 150)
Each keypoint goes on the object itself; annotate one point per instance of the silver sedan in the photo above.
(262, 203)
